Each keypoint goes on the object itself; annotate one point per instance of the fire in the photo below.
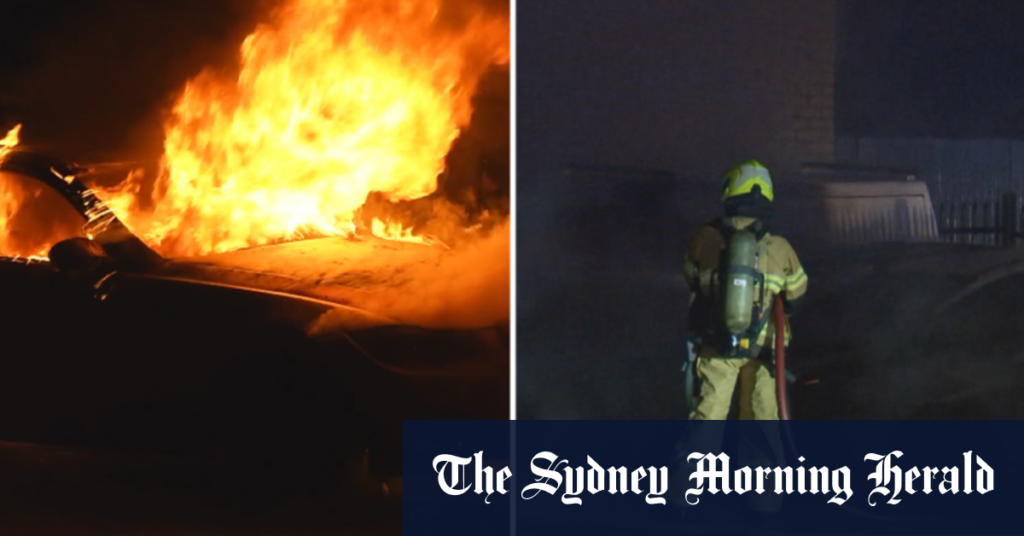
(393, 230)
(9, 141)
(336, 100)
(33, 218)
(13, 198)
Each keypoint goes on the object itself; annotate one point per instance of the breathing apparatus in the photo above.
(741, 283)
(747, 192)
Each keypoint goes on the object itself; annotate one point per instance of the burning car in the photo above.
(263, 294)
(107, 343)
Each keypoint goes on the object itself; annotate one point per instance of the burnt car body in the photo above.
(109, 345)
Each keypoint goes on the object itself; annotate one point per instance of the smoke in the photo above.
(463, 288)
(471, 289)
(469, 286)
(473, 194)
(874, 333)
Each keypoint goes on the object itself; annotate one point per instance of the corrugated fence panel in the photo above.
(953, 169)
(967, 180)
(975, 168)
(1017, 163)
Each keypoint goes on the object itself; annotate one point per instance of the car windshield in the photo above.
(33, 217)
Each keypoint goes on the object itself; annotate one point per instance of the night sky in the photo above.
(951, 69)
(93, 78)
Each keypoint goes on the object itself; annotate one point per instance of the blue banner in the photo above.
(726, 477)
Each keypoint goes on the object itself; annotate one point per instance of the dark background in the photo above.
(944, 69)
(619, 82)
(95, 78)
(630, 112)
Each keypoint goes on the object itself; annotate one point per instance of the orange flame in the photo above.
(337, 99)
(9, 141)
(393, 230)
(33, 217)
(12, 199)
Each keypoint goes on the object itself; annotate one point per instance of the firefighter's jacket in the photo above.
(777, 261)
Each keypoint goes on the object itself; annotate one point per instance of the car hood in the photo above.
(393, 282)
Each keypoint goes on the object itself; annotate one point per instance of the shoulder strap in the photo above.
(760, 229)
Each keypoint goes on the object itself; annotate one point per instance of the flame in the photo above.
(393, 230)
(33, 218)
(9, 141)
(12, 198)
(336, 100)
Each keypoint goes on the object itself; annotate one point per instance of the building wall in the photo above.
(687, 86)
(786, 53)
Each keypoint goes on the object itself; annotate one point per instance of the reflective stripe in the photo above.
(741, 180)
(774, 283)
(796, 279)
(745, 185)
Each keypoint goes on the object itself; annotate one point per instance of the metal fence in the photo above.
(954, 170)
(995, 221)
(975, 184)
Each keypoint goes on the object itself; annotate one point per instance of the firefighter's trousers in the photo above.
(719, 378)
(757, 401)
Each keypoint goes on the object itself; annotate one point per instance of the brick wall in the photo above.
(786, 53)
(686, 86)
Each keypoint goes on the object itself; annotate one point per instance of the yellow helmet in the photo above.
(742, 179)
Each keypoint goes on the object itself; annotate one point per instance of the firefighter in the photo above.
(723, 356)
(735, 267)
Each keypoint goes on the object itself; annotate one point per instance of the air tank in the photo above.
(740, 275)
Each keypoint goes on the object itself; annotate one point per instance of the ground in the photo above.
(606, 340)
(50, 491)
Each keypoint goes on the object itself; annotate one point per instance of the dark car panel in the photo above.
(105, 346)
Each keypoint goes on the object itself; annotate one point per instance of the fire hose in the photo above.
(782, 376)
(780, 358)
(779, 317)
